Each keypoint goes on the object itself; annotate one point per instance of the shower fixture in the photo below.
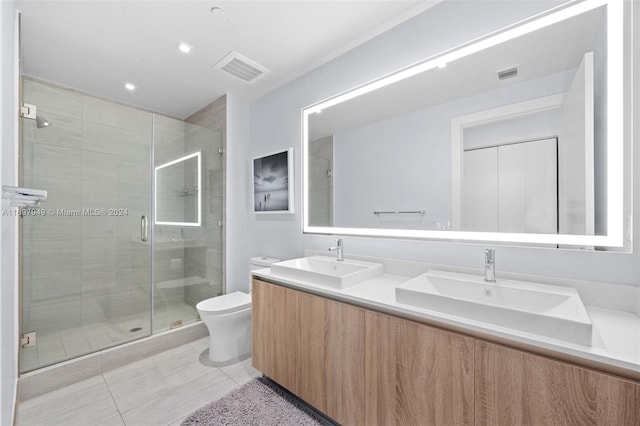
(42, 122)
(29, 111)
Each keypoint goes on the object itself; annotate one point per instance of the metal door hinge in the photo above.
(28, 339)
(220, 151)
(28, 111)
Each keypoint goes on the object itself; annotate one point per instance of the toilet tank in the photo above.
(261, 262)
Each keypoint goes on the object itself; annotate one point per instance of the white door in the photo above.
(527, 187)
(480, 190)
(511, 188)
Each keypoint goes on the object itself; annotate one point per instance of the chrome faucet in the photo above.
(338, 248)
(490, 265)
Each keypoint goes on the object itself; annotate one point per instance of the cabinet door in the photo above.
(312, 346)
(310, 363)
(275, 330)
(345, 363)
(417, 374)
(517, 388)
(380, 369)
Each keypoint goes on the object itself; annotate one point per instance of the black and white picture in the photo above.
(273, 183)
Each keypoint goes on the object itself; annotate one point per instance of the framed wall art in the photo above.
(273, 183)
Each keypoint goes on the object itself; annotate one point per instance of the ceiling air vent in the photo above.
(508, 73)
(241, 67)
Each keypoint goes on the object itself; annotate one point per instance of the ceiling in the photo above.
(98, 46)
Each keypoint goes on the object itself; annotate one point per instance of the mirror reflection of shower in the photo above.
(177, 198)
(42, 122)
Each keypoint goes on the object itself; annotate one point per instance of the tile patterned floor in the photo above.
(159, 390)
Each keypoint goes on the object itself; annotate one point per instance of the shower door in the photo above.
(130, 237)
(187, 232)
(85, 267)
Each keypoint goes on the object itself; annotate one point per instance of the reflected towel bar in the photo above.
(400, 212)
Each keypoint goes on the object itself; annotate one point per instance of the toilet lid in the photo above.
(227, 303)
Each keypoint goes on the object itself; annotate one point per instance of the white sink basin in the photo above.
(541, 309)
(327, 271)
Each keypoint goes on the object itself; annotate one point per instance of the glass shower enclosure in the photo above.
(129, 239)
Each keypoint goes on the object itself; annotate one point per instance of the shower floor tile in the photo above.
(160, 390)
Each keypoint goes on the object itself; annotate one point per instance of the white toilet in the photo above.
(228, 319)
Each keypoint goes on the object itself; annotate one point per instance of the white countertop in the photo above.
(615, 340)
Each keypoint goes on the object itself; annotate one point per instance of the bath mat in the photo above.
(257, 403)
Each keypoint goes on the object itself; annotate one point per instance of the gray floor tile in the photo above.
(113, 421)
(180, 401)
(241, 372)
(159, 390)
(141, 381)
(84, 403)
(200, 345)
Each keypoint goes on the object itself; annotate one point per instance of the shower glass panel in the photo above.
(187, 263)
(85, 273)
(97, 267)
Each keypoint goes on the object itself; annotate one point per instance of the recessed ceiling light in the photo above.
(217, 11)
(130, 87)
(184, 47)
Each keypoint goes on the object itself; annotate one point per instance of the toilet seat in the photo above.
(225, 304)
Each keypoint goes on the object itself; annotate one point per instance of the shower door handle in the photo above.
(144, 228)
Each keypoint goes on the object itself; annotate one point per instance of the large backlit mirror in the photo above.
(177, 195)
(515, 137)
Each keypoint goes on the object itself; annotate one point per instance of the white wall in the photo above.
(275, 124)
(238, 195)
(8, 248)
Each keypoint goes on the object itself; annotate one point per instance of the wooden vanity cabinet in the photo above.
(514, 387)
(416, 374)
(345, 369)
(362, 367)
(274, 329)
(312, 346)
